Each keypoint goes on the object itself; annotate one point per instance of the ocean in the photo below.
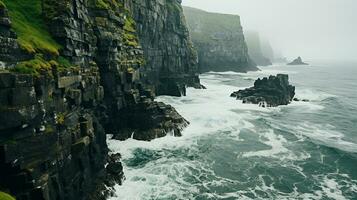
(305, 150)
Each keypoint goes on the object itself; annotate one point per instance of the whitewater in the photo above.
(231, 150)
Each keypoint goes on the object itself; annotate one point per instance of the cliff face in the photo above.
(72, 71)
(171, 62)
(256, 49)
(219, 40)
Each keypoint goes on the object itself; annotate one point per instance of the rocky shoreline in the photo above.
(92, 70)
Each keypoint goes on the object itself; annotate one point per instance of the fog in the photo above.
(313, 29)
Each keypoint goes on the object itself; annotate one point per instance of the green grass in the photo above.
(129, 25)
(39, 65)
(3, 195)
(36, 66)
(2, 5)
(106, 4)
(26, 17)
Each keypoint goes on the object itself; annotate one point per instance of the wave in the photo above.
(327, 136)
(312, 95)
(259, 143)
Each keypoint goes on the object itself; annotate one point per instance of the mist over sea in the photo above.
(306, 150)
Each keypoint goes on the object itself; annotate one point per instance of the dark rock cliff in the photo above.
(219, 41)
(78, 70)
(171, 61)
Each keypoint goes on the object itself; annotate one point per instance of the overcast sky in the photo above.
(314, 29)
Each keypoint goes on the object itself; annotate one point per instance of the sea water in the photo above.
(231, 150)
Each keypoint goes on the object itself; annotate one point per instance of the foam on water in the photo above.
(326, 135)
(181, 167)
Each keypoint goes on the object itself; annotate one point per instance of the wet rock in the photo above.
(149, 120)
(303, 100)
(53, 127)
(268, 92)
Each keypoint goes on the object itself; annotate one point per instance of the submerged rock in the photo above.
(298, 61)
(303, 100)
(268, 92)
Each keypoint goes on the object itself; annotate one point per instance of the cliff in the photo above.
(258, 50)
(219, 41)
(171, 61)
(72, 71)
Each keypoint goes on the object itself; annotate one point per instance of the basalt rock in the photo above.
(54, 123)
(149, 120)
(10, 52)
(52, 145)
(268, 92)
(297, 61)
(170, 60)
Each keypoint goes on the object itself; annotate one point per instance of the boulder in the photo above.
(298, 61)
(268, 92)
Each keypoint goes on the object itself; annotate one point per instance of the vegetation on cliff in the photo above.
(107, 4)
(31, 30)
(210, 23)
(5, 196)
(39, 65)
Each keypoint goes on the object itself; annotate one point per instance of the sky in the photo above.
(313, 29)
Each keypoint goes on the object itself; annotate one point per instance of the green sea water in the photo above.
(306, 150)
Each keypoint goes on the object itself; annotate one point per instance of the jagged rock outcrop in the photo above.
(85, 72)
(256, 50)
(268, 92)
(150, 120)
(297, 61)
(219, 41)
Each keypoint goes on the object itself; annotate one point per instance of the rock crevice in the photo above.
(55, 110)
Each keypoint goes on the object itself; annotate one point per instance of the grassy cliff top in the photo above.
(204, 24)
(27, 22)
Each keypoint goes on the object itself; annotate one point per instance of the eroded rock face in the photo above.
(298, 61)
(219, 41)
(268, 92)
(9, 48)
(171, 61)
(53, 127)
(52, 145)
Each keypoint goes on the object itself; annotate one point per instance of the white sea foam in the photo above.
(275, 142)
(326, 135)
(212, 112)
(312, 95)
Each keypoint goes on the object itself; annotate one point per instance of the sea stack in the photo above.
(268, 92)
(298, 61)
